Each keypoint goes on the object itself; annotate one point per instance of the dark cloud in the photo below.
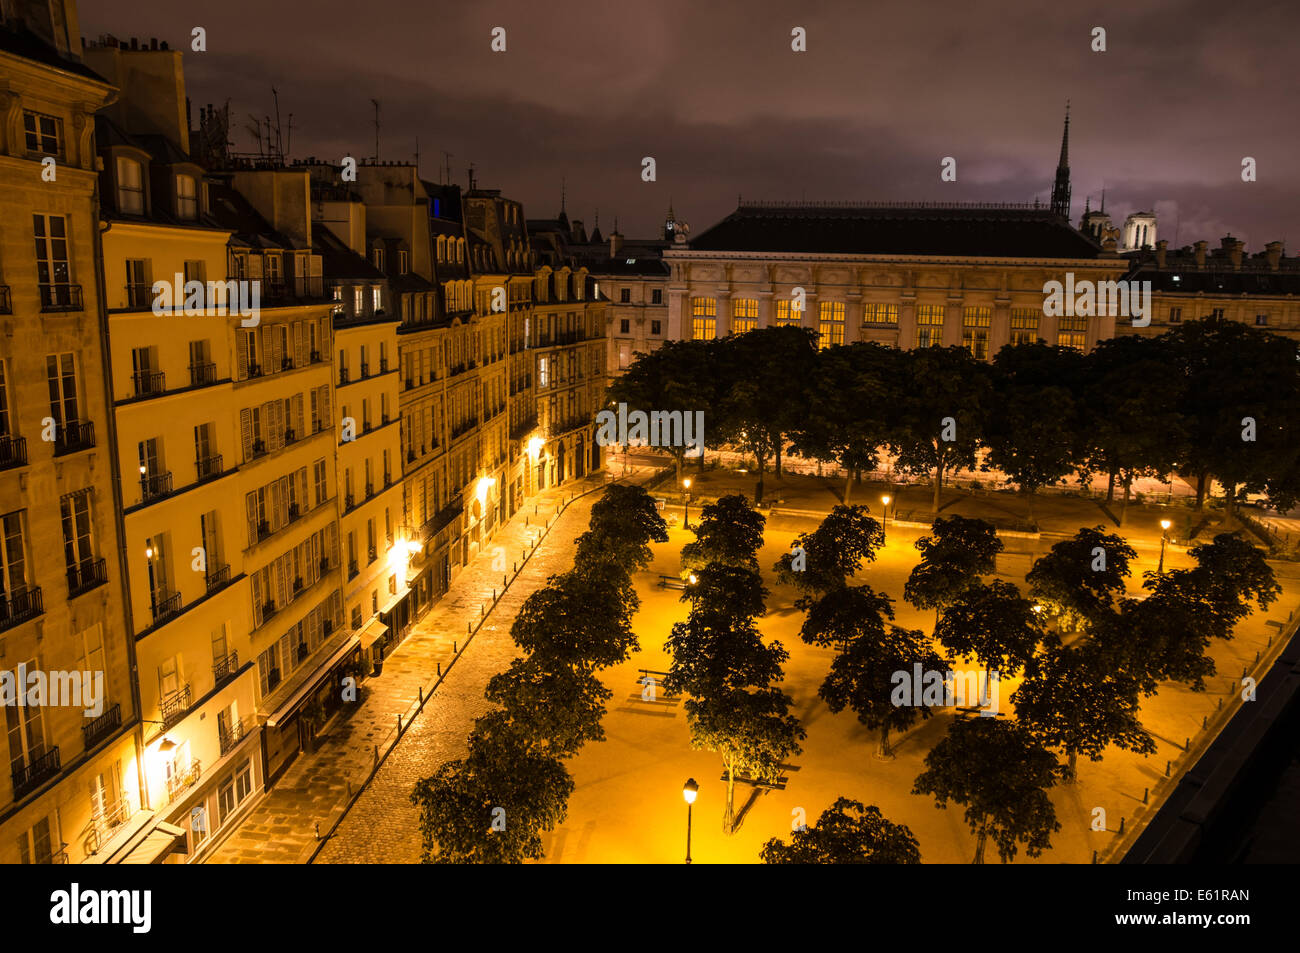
(714, 93)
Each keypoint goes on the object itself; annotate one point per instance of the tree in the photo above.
(956, 553)
(728, 532)
(846, 421)
(554, 709)
(846, 833)
(1080, 577)
(491, 807)
(846, 538)
(863, 675)
(753, 732)
(1233, 573)
(1032, 431)
(993, 623)
(943, 396)
(1072, 699)
(843, 616)
(1000, 774)
(624, 521)
(579, 618)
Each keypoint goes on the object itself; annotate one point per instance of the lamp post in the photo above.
(884, 529)
(689, 791)
(1164, 538)
(686, 507)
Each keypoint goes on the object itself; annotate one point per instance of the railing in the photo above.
(155, 485)
(18, 607)
(74, 436)
(230, 737)
(286, 363)
(268, 610)
(30, 775)
(259, 447)
(324, 566)
(208, 467)
(201, 374)
(86, 575)
(139, 295)
(365, 369)
(383, 365)
(290, 436)
(217, 577)
(165, 605)
(372, 554)
(182, 781)
(224, 668)
(104, 822)
(315, 357)
(13, 451)
(100, 728)
(60, 297)
(174, 706)
(348, 503)
(254, 370)
(149, 383)
(343, 375)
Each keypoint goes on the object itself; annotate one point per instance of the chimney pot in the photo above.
(1273, 252)
(1235, 250)
(1198, 250)
(1162, 252)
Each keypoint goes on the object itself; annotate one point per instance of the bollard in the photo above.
(1220, 704)
(1243, 671)
(1121, 825)
(1257, 657)
(1166, 769)
(317, 830)
(421, 688)
(454, 650)
(376, 756)
(440, 670)
(1094, 856)
(504, 582)
(399, 724)
(349, 789)
(1188, 746)
(494, 595)
(469, 629)
(1205, 721)
(1146, 794)
(525, 519)
(481, 613)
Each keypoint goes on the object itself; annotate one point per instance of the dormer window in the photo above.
(44, 134)
(187, 198)
(401, 262)
(130, 190)
(379, 258)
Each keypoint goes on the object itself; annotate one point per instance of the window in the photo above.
(44, 133)
(1175, 315)
(61, 376)
(624, 356)
(1217, 314)
(785, 314)
(401, 262)
(880, 315)
(656, 327)
(657, 296)
(358, 301)
(13, 556)
(6, 423)
(624, 326)
(704, 319)
(318, 481)
(187, 201)
(25, 730)
(52, 271)
(195, 271)
(744, 315)
(379, 258)
(34, 844)
(830, 323)
(1261, 319)
(78, 555)
(975, 331)
(1024, 325)
(625, 295)
(929, 325)
(543, 372)
(1072, 331)
(130, 189)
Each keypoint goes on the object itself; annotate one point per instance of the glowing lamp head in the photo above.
(689, 790)
(535, 445)
(1165, 524)
(687, 483)
(167, 746)
(413, 547)
(885, 499)
(481, 489)
(694, 579)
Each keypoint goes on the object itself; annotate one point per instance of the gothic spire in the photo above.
(1061, 187)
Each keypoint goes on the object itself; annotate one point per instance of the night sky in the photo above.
(714, 93)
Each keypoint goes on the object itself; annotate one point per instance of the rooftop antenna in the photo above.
(562, 194)
(279, 145)
(376, 103)
(417, 157)
(444, 174)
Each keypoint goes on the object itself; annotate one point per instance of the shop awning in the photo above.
(156, 843)
(392, 603)
(289, 698)
(372, 632)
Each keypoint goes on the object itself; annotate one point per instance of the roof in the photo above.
(338, 260)
(1217, 281)
(29, 46)
(231, 210)
(629, 265)
(902, 229)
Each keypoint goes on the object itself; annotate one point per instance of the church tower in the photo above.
(1061, 187)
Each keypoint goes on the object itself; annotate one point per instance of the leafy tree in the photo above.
(459, 818)
(578, 619)
(846, 421)
(1033, 419)
(1001, 775)
(554, 709)
(1080, 577)
(862, 678)
(1233, 573)
(995, 624)
(846, 538)
(956, 553)
(753, 732)
(1072, 699)
(846, 833)
(729, 532)
(624, 521)
(933, 385)
(845, 615)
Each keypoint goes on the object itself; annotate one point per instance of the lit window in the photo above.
(787, 314)
(975, 331)
(704, 315)
(130, 191)
(929, 325)
(744, 315)
(1024, 325)
(187, 202)
(1073, 331)
(880, 314)
(830, 323)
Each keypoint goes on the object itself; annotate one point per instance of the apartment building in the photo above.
(74, 788)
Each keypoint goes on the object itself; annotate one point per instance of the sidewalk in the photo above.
(317, 788)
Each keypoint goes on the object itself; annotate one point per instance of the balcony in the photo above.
(315, 357)
(107, 820)
(383, 365)
(372, 554)
(86, 575)
(95, 731)
(365, 370)
(174, 706)
(254, 370)
(139, 296)
(217, 577)
(60, 297)
(348, 503)
(343, 376)
(155, 485)
(29, 776)
(17, 607)
(352, 569)
(259, 448)
(182, 781)
(73, 437)
(230, 737)
(6, 306)
(208, 468)
(286, 363)
(201, 374)
(225, 668)
(13, 451)
(165, 605)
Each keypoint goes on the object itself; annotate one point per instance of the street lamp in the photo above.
(1164, 538)
(689, 791)
(686, 507)
(884, 502)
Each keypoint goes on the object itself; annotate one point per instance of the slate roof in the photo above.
(22, 42)
(919, 229)
(1216, 281)
(338, 261)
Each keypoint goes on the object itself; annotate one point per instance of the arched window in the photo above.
(442, 248)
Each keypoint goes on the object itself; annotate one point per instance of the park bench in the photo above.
(671, 582)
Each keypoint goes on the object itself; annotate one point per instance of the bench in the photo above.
(649, 676)
(671, 582)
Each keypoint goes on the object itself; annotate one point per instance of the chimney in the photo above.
(1273, 251)
(616, 245)
(1199, 250)
(1235, 246)
(1162, 253)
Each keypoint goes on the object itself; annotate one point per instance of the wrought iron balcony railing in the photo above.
(73, 436)
(174, 706)
(28, 775)
(98, 729)
(13, 451)
(61, 297)
(224, 668)
(19, 606)
(86, 575)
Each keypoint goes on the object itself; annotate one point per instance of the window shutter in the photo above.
(301, 356)
(246, 432)
(241, 348)
(257, 598)
(297, 416)
(250, 502)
